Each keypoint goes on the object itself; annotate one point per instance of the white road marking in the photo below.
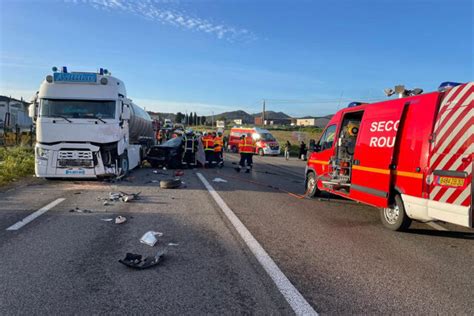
(297, 302)
(437, 226)
(34, 215)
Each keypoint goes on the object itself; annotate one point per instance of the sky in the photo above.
(210, 56)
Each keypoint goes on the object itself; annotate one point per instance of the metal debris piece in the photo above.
(107, 219)
(179, 173)
(135, 261)
(120, 219)
(149, 238)
(78, 210)
(219, 180)
(172, 244)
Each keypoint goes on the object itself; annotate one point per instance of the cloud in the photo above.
(155, 10)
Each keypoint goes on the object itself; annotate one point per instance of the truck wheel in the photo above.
(124, 166)
(260, 152)
(394, 217)
(311, 185)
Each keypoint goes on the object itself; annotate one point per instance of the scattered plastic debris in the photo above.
(164, 168)
(172, 244)
(78, 210)
(107, 219)
(179, 173)
(155, 181)
(149, 238)
(106, 203)
(135, 261)
(77, 192)
(219, 180)
(120, 219)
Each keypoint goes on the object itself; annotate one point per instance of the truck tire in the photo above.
(170, 184)
(394, 217)
(311, 185)
(123, 164)
(260, 152)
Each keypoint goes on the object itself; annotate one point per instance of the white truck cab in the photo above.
(86, 127)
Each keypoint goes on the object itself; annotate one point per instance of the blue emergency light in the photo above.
(353, 104)
(447, 85)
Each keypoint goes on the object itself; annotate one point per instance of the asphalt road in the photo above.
(335, 252)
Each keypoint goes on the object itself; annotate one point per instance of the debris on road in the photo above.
(120, 219)
(78, 210)
(172, 244)
(179, 173)
(107, 219)
(106, 203)
(219, 180)
(170, 183)
(122, 196)
(158, 172)
(149, 238)
(135, 261)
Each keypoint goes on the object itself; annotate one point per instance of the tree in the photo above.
(179, 117)
(186, 119)
(191, 119)
(195, 119)
(203, 120)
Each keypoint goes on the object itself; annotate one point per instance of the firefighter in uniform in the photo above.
(218, 147)
(247, 149)
(189, 149)
(208, 144)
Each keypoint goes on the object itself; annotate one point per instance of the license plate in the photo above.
(452, 182)
(75, 171)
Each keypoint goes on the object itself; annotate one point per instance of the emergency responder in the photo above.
(218, 147)
(247, 149)
(190, 145)
(208, 143)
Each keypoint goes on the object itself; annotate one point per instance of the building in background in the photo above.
(238, 121)
(320, 122)
(14, 113)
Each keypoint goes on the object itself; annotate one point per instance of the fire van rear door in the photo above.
(451, 158)
(374, 153)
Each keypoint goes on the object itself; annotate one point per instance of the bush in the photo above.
(16, 162)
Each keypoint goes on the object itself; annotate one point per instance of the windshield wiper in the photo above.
(63, 117)
(100, 119)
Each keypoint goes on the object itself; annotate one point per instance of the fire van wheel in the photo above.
(260, 152)
(311, 185)
(394, 217)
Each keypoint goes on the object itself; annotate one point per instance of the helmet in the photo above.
(204, 133)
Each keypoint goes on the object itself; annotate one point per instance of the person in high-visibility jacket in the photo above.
(246, 148)
(208, 144)
(218, 147)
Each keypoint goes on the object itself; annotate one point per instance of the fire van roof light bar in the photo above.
(447, 85)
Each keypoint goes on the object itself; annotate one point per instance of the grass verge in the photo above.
(15, 163)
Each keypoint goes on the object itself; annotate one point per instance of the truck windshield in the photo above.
(267, 137)
(77, 108)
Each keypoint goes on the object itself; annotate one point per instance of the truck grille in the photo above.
(75, 154)
(73, 158)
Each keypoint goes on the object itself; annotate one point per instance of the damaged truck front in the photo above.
(86, 127)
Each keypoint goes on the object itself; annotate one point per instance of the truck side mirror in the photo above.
(125, 111)
(32, 111)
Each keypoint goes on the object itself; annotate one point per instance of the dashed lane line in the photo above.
(34, 215)
(297, 302)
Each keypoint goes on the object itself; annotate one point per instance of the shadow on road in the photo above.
(438, 233)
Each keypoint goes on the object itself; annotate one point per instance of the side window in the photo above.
(327, 140)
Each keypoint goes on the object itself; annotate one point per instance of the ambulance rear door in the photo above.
(374, 153)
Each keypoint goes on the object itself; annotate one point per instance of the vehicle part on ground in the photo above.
(120, 219)
(149, 238)
(170, 183)
(135, 261)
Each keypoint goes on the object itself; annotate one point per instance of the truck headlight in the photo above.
(42, 153)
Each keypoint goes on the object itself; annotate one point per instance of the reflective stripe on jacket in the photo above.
(208, 142)
(218, 143)
(247, 145)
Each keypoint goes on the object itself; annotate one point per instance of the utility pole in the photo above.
(263, 113)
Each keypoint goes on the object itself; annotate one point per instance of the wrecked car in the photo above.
(168, 154)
